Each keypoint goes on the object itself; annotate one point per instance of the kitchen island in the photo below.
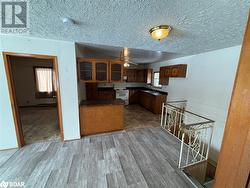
(99, 116)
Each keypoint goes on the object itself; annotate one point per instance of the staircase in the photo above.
(195, 133)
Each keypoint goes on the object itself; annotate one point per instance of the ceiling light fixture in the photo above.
(160, 32)
(126, 64)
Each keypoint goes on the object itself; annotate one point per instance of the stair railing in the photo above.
(194, 132)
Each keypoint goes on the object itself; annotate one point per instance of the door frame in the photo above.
(234, 162)
(12, 92)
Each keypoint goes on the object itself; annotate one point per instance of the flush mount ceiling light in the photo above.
(160, 32)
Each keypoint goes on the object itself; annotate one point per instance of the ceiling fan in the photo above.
(125, 57)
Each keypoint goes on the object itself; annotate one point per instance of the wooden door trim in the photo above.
(234, 164)
(12, 93)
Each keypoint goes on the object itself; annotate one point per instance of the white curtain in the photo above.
(44, 79)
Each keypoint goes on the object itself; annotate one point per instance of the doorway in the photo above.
(35, 97)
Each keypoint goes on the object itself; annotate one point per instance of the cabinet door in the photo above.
(101, 71)
(167, 72)
(178, 70)
(116, 71)
(131, 75)
(85, 69)
(133, 96)
(140, 77)
(148, 76)
(163, 79)
(175, 71)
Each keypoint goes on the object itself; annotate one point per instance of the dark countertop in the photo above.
(105, 88)
(155, 93)
(148, 90)
(101, 102)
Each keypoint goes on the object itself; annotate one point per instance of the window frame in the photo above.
(159, 85)
(39, 94)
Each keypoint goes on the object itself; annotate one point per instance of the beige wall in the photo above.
(24, 79)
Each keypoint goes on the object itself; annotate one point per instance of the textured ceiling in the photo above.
(198, 25)
(137, 56)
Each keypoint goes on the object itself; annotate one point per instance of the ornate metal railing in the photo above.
(194, 132)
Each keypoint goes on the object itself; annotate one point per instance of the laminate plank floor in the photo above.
(39, 123)
(143, 157)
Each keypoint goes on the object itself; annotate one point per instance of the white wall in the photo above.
(207, 87)
(24, 78)
(65, 52)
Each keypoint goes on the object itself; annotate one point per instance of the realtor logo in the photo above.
(14, 17)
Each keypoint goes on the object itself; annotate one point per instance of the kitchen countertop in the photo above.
(101, 102)
(148, 90)
(154, 93)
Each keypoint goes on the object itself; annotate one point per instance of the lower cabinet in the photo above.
(149, 101)
(99, 118)
(133, 96)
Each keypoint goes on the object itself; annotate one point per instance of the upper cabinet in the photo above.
(179, 70)
(130, 75)
(86, 69)
(116, 71)
(138, 75)
(101, 71)
(93, 70)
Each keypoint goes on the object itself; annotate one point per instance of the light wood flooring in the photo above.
(145, 157)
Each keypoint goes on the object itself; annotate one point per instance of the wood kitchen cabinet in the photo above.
(101, 71)
(179, 70)
(96, 70)
(163, 79)
(148, 76)
(130, 73)
(133, 96)
(172, 71)
(95, 93)
(86, 70)
(116, 71)
(139, 75)
(101, 116)
(151, 102)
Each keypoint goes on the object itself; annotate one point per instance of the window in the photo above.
(45, 82)
(157, 79)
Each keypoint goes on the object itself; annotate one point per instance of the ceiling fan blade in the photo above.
(130, 62)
